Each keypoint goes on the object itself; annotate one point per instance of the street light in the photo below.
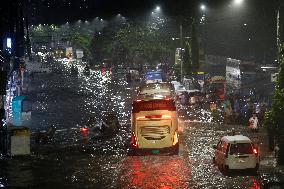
(238, 2)
(158, 8)
(203, 7)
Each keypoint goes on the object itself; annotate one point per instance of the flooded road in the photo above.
(77, 160)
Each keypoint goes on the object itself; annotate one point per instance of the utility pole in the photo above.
(278, 34)
(181, 45)
(3, 130)
(28, 41)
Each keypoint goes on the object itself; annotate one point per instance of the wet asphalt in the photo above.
(74, 159)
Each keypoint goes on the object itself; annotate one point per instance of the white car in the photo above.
(236, 153)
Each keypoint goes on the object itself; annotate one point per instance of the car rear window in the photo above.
(241, 148)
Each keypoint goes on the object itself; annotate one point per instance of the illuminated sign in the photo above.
(9, 43)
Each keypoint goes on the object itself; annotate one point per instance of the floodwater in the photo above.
(80, 160)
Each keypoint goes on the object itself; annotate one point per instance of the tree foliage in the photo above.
(187, 59)
(81, 41)
(191, 53)
(274, 119)
(131, 44)
(139, 42)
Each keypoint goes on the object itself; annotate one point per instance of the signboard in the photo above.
(79, 54)
(9, 43)
(233, 74)
(178, 56)
(274, 77)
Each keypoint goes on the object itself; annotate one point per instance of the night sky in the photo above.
(56, 11)
(60, 11)
(72, 10)
(246, 29)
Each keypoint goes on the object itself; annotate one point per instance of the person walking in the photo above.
(253, 123)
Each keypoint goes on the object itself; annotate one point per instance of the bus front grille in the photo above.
(155, 132)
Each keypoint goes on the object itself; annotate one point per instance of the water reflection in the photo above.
(154, 172)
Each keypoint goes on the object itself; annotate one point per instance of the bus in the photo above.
(154, 125)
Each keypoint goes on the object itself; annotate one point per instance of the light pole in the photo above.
(181, 57)
(278, 35)
(202, 22)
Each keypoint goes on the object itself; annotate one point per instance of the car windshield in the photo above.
(241, 148)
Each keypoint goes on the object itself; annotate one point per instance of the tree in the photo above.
(139, 42)
(191, 53)
(81, 41)
(274, 119)
(187, 59)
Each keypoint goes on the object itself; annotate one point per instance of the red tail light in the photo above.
(84, 129)
(134, 142)
(154, 116)
(103, 71)
(255, 151)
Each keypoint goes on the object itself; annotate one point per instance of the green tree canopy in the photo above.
(274, 119)
(140, 42)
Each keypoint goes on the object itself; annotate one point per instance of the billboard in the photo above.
(79, 54)
(178, 56)
(233, 75)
